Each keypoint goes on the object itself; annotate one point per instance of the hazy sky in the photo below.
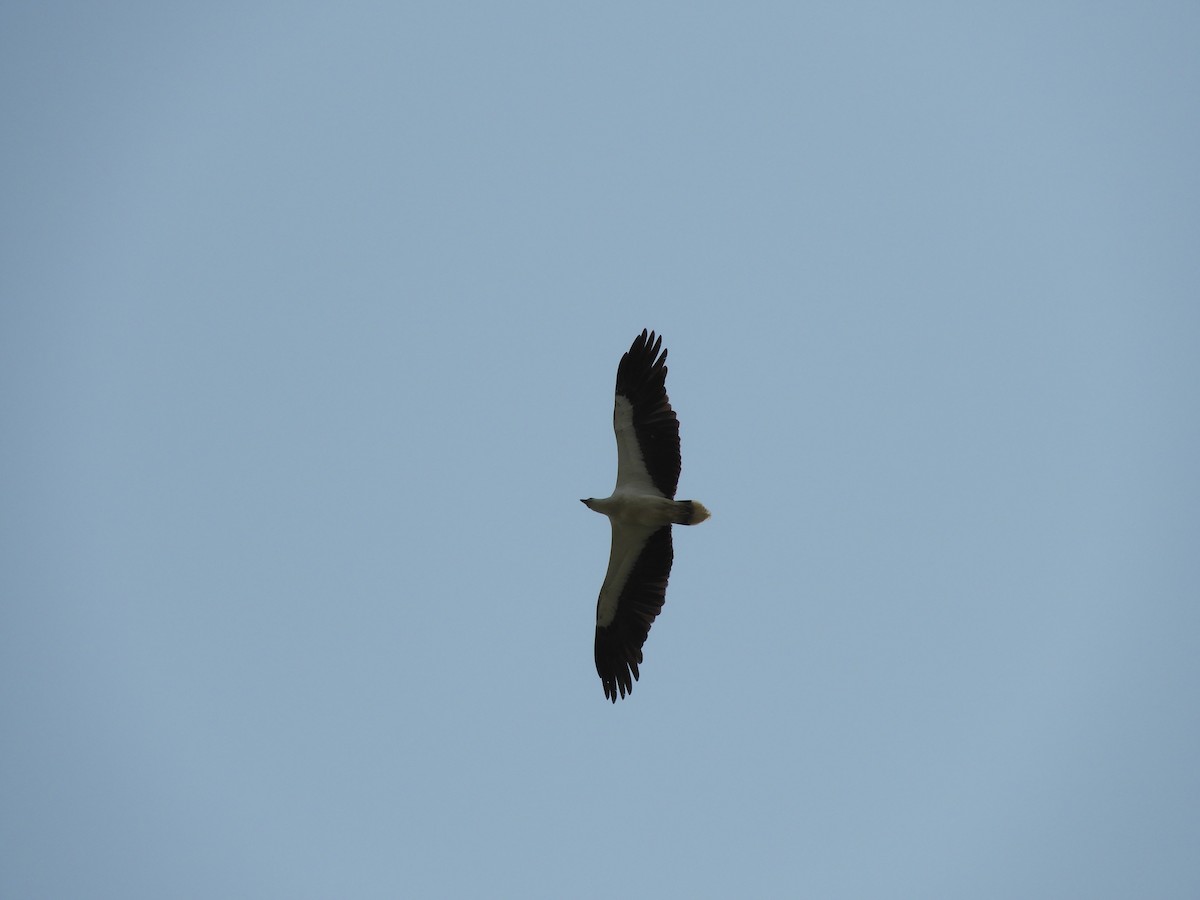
(310, 318)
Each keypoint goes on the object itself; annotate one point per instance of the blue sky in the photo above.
(310, 318)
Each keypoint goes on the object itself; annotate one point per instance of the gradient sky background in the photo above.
(311, 315)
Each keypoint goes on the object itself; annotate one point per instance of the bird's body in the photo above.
(641, 510)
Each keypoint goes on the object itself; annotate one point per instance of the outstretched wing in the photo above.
(646, 427)
(621, 629)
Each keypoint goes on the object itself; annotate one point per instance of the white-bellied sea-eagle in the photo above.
(641, 510)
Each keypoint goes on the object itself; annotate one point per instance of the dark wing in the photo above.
(642, 379)
(619, 644)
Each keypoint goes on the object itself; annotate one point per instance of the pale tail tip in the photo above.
(699, 512)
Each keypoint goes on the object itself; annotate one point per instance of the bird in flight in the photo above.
(641, 510)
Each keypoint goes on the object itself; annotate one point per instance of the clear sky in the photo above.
(310, 319)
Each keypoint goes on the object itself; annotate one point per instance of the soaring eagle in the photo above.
(641, 510)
